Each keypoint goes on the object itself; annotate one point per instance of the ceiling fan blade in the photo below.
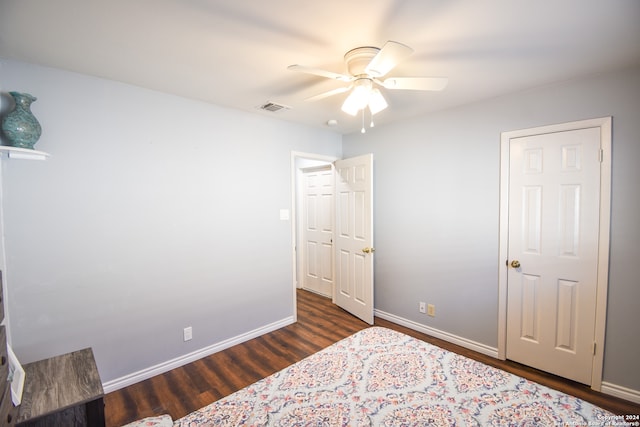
(387, 58)
(329, 93)
(319, 72)
(416, 83)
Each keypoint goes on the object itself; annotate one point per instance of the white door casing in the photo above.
(354, 236)
(555, 192)
(317, 230)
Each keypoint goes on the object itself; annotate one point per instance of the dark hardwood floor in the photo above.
(320, 324)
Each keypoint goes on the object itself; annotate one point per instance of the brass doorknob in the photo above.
(515, 263)
(368, 250)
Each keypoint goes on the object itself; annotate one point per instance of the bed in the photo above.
(380, 377)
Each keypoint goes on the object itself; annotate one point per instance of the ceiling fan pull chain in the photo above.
(362, 130)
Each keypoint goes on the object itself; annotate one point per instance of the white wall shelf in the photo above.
(23, 153)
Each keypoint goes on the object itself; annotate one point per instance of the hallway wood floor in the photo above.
(320, 324)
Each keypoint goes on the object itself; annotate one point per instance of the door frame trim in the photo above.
(605, 125)
(295, 155)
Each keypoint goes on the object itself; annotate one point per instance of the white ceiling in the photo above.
(236, 53)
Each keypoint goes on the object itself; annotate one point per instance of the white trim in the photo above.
(603, 252)
(604, 124)
(163, 367)
(621, 392)
(503, 247)
(446, 336)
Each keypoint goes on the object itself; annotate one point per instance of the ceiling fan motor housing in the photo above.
(359, 58)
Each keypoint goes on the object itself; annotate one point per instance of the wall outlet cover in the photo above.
(423, 307)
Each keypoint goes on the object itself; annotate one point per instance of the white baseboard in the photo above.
(163, 367)
(463, 342)
(621, 392)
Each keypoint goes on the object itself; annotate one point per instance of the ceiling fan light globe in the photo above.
(349, 106)
(377, 102)
(361, 96)
(349, 111)
(357, 100)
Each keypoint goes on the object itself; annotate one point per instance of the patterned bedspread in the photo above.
(380, 377)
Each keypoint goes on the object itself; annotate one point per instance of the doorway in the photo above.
(337, 256)
(554, 244)
(299, 162)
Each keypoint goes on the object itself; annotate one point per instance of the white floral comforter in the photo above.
(380, 377)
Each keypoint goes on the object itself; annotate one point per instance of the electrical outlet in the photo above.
(423, 307)
(187, 333)
(431, 310)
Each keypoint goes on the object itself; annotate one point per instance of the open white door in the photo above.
(354, 236)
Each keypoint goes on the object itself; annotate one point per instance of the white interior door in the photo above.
(317, 230)
(354, 236)
(553, 249)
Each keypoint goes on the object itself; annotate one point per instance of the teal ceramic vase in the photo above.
(20, 126)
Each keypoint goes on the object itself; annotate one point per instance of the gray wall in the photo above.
(437, 199)
(153, 213)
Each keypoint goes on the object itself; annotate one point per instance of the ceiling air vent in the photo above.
(273, 107)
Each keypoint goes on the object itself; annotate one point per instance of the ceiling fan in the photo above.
(366, 66)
